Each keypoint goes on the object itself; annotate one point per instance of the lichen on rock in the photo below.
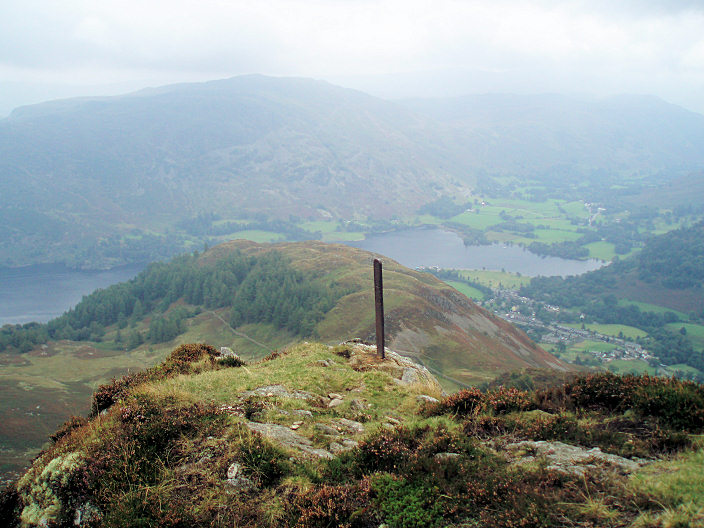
(42, 493)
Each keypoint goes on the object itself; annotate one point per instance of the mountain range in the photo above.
(75, 172)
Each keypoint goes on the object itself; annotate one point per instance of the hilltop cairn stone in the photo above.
(403, 369)
(227, 352)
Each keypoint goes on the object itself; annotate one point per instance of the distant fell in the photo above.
(103, 181)
(76, 170)
(540, 135)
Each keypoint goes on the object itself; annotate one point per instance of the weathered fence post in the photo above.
(379, 302)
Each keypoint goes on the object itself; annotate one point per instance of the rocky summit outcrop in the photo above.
(339, 433)
(319, 435)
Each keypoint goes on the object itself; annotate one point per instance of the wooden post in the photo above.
(379, 303)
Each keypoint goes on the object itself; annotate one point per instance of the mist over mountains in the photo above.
(75, 171)
(530, 135)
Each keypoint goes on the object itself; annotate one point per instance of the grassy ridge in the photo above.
(471, 349)
(175, 448)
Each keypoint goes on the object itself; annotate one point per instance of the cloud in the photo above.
(605, 44)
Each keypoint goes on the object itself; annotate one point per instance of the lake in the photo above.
(434, 247)
(42, 292)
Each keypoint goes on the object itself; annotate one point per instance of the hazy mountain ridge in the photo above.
(575, 136)
(76, 172)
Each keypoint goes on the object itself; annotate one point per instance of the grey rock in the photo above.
(424, 398)
(326, 429)
(444, 457)
(325, 362)
(86, 514)
(335, 396)
(236, 478)
(288, 438)
(335, 403)
(234, 470)
(281, 392)
(240, 483)
(410, 376)
(227, 352)
(350, 425)
(336, 448)
(342, 445)
(567, 458)
(302, 412)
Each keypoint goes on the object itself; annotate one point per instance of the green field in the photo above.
(343, 236)
(427, 219)
(592, 346)
(561, 224)
(695, 332)
(647, 307)
(255, 235)
(467, 290)
(584, 349)
(601, 250)
(631, 366)
(478, 220)
(324, 226)
(575, 209)
(495, 279)
(551, 236)
(613, 329)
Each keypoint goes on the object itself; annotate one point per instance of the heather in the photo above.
(200, 441)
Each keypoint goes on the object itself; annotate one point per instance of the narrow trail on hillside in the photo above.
(240, 334)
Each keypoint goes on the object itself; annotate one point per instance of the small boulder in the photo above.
(444, 457)
(234, 470)
(357, 405)
(349, 425)
(326, 429)
(236, 479)
(226, 352)
(335, 402)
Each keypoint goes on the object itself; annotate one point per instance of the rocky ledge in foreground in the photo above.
(334, 436)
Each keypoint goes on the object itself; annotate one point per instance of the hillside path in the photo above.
(240, 334)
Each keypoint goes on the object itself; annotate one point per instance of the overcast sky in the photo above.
(393, 48)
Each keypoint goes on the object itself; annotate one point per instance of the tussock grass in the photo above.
(160, 454)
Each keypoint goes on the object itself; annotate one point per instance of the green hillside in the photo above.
(320, 436)
(253, 298)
